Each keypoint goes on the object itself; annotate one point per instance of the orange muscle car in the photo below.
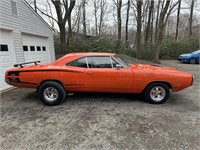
(97, 72)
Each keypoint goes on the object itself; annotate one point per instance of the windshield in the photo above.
(122, 62)
(196, 52)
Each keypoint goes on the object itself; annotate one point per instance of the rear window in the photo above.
(81, 62)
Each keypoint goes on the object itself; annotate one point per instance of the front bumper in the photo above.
(7, 81)
(185, 60)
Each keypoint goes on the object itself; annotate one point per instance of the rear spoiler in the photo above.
(22, 64)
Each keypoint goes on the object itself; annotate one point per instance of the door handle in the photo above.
(89, 73)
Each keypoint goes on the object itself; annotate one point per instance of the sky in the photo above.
(110, 17)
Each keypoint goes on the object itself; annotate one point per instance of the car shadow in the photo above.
(104, 97)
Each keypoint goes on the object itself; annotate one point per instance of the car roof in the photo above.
(72, 56)
(91, 54)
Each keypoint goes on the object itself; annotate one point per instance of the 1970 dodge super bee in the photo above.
(97, 72)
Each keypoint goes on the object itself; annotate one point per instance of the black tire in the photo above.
(193, 61)
(52, 93)
(150, 96)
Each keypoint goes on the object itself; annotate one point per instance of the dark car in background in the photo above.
(192, 58)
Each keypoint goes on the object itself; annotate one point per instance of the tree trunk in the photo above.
(148, 28)
(139, 28)
(69, 36)
(119, 6)
(95, 16)
(157, 19)
(161, 27)
(127, 21)
(152, 27)
(63, 19)
(84, 19)
(178, 18)
(35, 5)
(63, 40)
(191, 17)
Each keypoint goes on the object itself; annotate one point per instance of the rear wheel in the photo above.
(52, 93)
(193, 61)
(156, 93)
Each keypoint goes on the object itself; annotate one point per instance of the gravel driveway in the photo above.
(102, 121)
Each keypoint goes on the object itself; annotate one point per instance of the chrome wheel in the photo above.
(157, 93)
(50, 94)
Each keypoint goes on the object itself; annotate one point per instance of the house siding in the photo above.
(27, 21)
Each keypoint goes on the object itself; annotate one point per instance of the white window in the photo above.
(14, 7)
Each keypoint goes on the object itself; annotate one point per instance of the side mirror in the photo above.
(118, 66)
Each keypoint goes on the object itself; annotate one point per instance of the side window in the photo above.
(79, 63)
(114, 63)
(99, 62)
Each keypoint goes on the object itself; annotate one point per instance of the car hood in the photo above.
(184, 55)
(152, 67)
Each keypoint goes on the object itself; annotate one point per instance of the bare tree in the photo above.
(148, 28)
(96, 7)
(139, 28)
(191, 17)
(35, 5)
(84, 18)
(63, 16)
(118, 4)
(157, 19)
(152, 24)
(127, 21)
(77, 18)
(160, 29)
(103, 7)
(49, 12)
(178, 19)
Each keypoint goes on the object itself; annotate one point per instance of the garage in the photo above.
(24, 36)
(7, 55)
(35, 48)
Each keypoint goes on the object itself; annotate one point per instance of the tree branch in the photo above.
(47, 15)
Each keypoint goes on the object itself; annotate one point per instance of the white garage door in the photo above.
(7, 55)
(35, 48)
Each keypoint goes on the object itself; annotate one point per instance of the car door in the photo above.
(101, 75)
(75, 77)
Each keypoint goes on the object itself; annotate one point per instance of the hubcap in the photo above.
(50, 94)
(157, 93)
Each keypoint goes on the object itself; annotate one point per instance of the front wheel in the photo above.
(193, 61)
(156, 93)
(52, 93)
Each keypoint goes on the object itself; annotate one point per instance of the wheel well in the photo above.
(167, 83)
(47, 81)
(193, 58)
